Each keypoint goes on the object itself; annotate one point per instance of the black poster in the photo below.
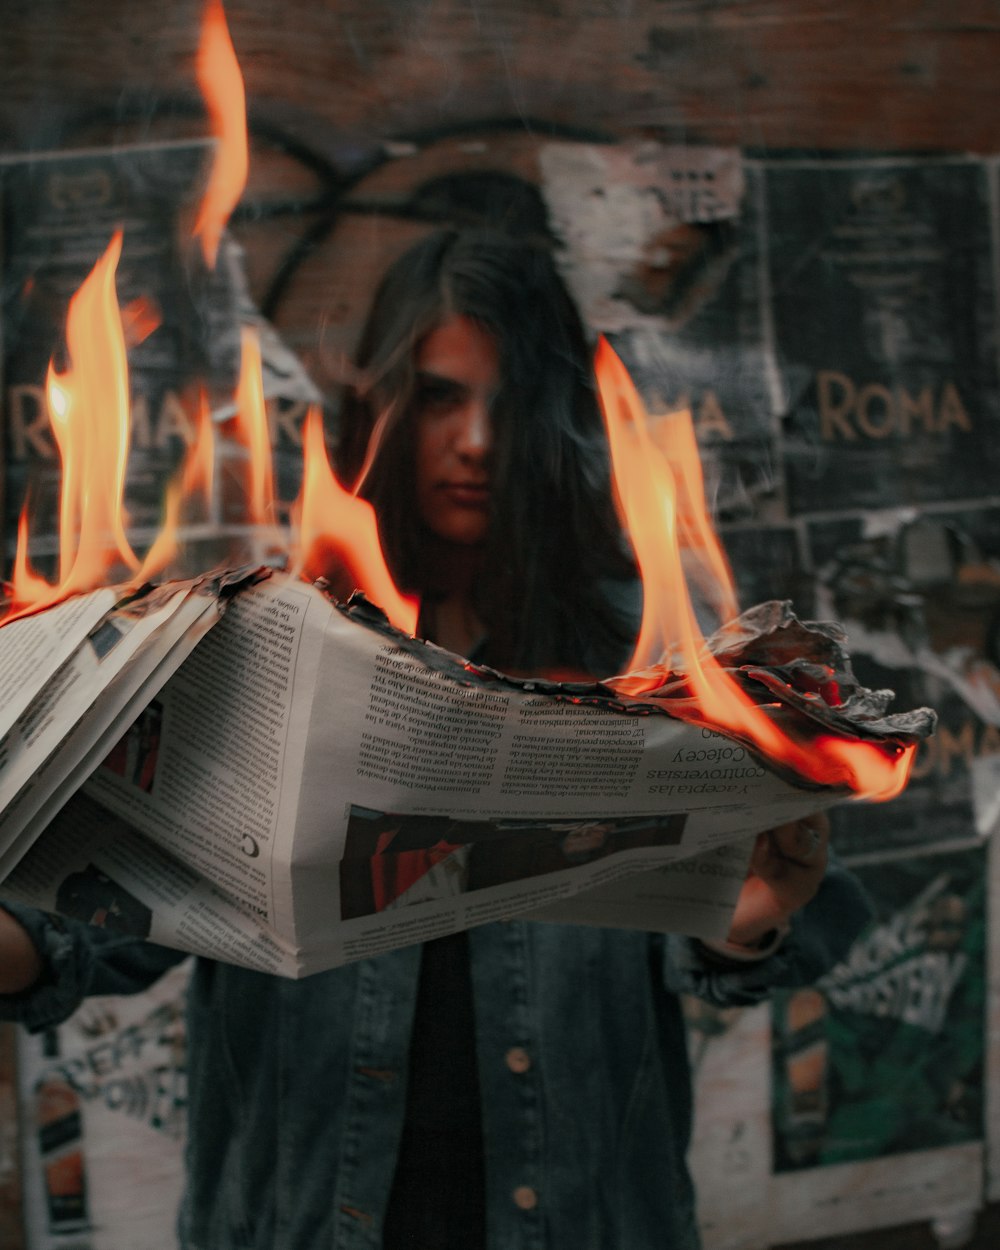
(920, 600)
(881, 285)
(59, 213)
(766, 564)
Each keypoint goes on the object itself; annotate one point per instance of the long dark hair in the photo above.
(557, 588)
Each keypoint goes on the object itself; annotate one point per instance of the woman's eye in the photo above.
(437, 396)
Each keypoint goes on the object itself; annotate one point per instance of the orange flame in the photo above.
(222, 87)
(661, 494)
(196, 478)
(675, 438)
(661, 497)
(252, 429)
(199, 467)
(337, 530)
(89, 414)
(140, 319)
(27, 587)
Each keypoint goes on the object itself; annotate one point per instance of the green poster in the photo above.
(885, 1054)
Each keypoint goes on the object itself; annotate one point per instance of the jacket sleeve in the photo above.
(821, 935)
(80, 960)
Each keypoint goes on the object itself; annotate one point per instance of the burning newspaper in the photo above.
(311, 786)
(297, 785)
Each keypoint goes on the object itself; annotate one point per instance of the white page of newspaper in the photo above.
(91, 866)
(392, 739)
(157, 644)
(73, 689)
(697, 893)
(234, 722)
(34, 648)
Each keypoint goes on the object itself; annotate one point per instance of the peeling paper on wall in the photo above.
(622, 210)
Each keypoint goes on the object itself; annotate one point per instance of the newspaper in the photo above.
(310, 787)
(74, 678)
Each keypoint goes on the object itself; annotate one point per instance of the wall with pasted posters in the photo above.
(830, 321)
(850, 472)
(877, 308)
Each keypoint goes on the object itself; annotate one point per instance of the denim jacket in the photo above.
(297, 1088)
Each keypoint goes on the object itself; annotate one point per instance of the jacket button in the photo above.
(525, 1197)
(518, 1059)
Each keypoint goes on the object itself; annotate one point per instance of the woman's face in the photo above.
(458, 374)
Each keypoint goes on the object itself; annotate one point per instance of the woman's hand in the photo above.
(20, 963)
(786, 868)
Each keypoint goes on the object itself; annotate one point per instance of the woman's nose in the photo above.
(474, 433)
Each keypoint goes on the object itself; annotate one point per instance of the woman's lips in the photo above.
(466, 494)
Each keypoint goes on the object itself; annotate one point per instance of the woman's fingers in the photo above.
(802, 842)
(786, 868)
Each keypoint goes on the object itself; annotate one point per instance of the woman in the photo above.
(479, 420)
(524, 1085)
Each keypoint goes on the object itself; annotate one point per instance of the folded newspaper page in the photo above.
(33, 649)
(72, 680)
(311, 787)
